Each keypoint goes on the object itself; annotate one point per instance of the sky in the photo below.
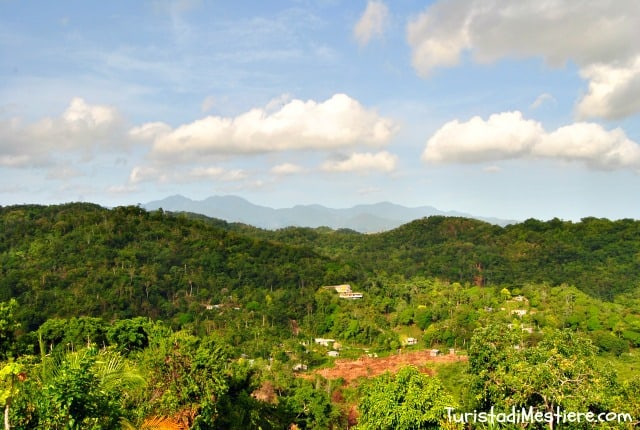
(516, 110)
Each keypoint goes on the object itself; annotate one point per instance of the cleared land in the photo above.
(367, 367)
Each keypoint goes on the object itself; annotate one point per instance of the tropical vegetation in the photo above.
(123, 318)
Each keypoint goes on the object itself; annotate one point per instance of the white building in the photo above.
(324, 342)
(411, 341)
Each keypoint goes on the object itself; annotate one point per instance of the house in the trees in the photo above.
(324, 342)
(300, 367)
(344, 291)
(411, 341)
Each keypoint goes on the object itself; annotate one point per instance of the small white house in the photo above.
(300, 367)
(333, 353)
(324, 342)
(434, 352)
(411, 341)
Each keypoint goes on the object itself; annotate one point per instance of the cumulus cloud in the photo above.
(82, 129)
(508, 136)
(592, 144)
(502, 136)
(336, 123)
(363, 162)
(372, 22)
(286, 169)
(614, 91)
(607, 54)
(149, 131)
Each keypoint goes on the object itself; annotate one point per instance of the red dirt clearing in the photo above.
(367, 367)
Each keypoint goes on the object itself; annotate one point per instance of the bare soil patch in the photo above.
(368, 367)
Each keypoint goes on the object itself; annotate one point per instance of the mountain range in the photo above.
(365, 218)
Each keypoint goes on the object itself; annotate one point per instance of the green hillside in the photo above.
(200, 316)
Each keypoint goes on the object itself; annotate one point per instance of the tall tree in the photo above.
(409, 400)
(561, 371)
(8, 326)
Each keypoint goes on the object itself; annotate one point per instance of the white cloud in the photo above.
(614, 91)
(363, 162)
(218, 173)
(143, 174)
(80, 115)
(542, 99)
(81, 130)
(207, 104)
(502, 136)
(438, 36)
(599, 36)
(592, 144)
(205, 172)
(162, 174)
(492, 169)
(509, 136)
(371, 23)
(286, 169)
(277, 103)
(149, 131)
(336, 123)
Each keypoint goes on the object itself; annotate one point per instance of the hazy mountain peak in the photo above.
(365, 218)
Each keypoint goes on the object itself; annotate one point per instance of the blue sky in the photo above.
(506, 109)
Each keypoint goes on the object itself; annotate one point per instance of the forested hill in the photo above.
(82, 259)
(599, 256)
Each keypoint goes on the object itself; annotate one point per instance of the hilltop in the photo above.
(84, 259)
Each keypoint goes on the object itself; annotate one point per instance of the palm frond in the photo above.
(155, 423)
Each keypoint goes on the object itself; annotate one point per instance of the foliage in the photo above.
(216, 315)
(86, 389)
(407, 400)
(10, 375)
(8, 326)
(561, 371)
(185, 375)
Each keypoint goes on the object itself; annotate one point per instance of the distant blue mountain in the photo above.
(368, 218)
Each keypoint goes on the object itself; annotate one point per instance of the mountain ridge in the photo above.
(364, 218)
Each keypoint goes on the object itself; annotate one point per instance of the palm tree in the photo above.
(84, 389)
